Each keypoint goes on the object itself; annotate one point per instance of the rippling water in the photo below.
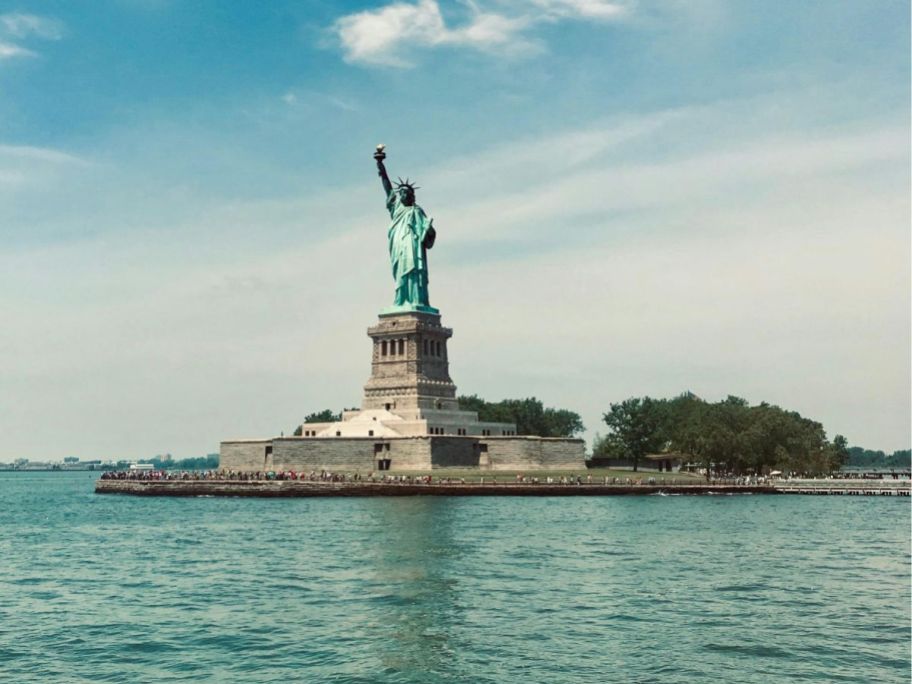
(617, 589)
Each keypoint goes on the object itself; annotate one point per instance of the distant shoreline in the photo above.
(52, 470)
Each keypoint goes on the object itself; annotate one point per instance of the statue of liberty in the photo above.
(411, 233)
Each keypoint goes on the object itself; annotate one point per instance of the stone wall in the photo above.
(535, 453)
(342, 454)
(410, 453)
(454, 452)
(350, 454)
(304, 455)
(247, 455)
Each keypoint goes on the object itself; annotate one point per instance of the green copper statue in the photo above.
(411, 234)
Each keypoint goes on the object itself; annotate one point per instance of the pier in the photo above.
(846, 487)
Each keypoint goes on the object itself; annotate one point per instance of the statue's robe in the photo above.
(410, 235)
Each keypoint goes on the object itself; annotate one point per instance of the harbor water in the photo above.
(734, 588)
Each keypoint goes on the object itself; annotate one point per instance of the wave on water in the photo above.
(413, 590)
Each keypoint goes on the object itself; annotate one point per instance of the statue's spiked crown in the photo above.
(407, 184)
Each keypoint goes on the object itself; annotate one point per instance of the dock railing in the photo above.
(846, 487)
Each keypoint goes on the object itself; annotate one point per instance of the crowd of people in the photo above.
(384, 478)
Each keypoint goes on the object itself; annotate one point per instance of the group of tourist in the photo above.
(864, 475)
(384, 478)
(162, 475)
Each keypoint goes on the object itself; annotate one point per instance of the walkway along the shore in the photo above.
(296, 488)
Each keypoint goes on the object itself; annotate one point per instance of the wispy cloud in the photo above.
(390, 35)
(22, 25)
(17, 26)
(754, 261)
(25, 167)
(590, 9)
(39, 154)
(10, 50)
(298, 98)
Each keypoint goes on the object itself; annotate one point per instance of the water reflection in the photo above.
(415, 601)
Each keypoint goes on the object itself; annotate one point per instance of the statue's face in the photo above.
(407, 196)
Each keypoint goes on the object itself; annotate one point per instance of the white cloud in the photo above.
(39, 153)
(26, 166)
(377, 37)
(586, 9)
(309, 99)
(389, 35)
(9, 50)
(19, 26)
(672, 183)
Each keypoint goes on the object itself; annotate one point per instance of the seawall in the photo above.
(297, 488)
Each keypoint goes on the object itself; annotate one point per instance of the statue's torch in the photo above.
(380, 154)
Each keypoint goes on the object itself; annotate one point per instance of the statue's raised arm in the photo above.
(380, 155)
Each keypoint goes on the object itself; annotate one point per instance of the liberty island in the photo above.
(411, 423)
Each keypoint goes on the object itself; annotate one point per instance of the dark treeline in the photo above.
(209, 462)
(166, 462)
(324, 416)
(530, 416)
(728, 436)
(865, 458)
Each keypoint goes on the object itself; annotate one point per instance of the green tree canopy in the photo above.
(729, 436)
(530, 416)
(635, 427)
(867, 458)
(209, 462)
(324, 416)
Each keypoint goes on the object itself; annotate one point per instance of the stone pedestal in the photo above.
(409, 365)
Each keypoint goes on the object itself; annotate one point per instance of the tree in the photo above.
(901, 458)
(635, 424)
(530, 416)
(472, 402)
(607, 448)
(324, 416)
(562, 423)
(209, 462)
(838, 453)
(866, 458)
(728, 436)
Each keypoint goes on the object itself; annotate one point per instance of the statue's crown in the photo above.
(407, 184)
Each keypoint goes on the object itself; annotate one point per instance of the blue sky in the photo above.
(632, 198)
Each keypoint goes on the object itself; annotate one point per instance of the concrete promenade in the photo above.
(299, 488)
(848, 487)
